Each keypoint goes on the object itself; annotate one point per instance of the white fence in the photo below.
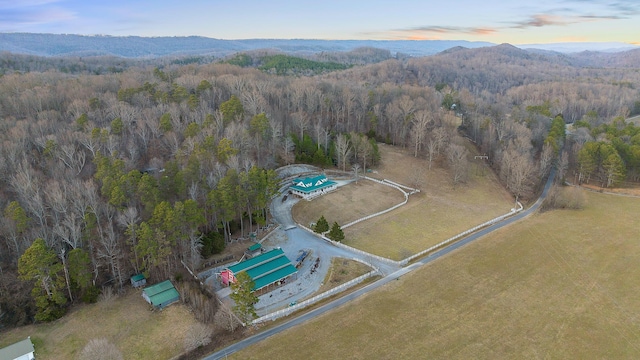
(352, 249)
(286, 312)
(387, 183)
(461, 235)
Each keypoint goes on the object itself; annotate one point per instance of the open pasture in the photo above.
(558, 285)
(438, 212)
(126, 321)
(348, 203)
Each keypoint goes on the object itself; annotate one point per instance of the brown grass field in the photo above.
(557, 285)
(125, 321)
(341, 271)
(354, 201)
(435, 214)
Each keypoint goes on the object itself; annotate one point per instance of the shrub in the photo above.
(198, 335)
(336, 233)
(322, 225)
(100, 349)
(565, 197)
(90, 294)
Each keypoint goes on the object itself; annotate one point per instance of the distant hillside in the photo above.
(606, 47)
(625, 59)
(136, 47)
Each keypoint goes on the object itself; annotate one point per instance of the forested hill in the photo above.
(135, 46)
(110, 166)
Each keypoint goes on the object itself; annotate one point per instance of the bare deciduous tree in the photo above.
(197, 335)
(343, 150)
(436, 141)
(100, 349)
(226, 319)
(457, 156)
(111, 252)
(516, 170)
(419, 130)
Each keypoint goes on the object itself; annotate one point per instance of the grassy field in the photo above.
(341, 271)
(355, 200)
(558, 285)
(436, 213)
(125, 321)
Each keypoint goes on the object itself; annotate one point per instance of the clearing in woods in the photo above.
(125, 321)
(561, 285)
(435, 214)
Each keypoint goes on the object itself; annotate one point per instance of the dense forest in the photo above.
(112, 167)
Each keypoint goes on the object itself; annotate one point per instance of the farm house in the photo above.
(160, 295)
(266, 270)
(308, 188)
(22, 350)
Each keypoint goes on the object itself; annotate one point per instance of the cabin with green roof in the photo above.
(160, 295)
(269, 268)
(311, 187)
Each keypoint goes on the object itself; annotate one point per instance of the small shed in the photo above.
(138, 280)
(254, 250)
(160, 295)
(22, 350)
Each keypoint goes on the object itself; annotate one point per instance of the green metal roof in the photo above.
(266, 268)
(274, 276)
(256, 261)
(169, 295)
(16, 350)
(308, 185)
(158, 288)
(255, 247)
(162, 293)
(137, 277)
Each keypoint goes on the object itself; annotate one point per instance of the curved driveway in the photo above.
(335, 303)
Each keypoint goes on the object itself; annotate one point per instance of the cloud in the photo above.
(26, 14)
(624, 7)
(541, 20)
(434, 32)
(23, 4)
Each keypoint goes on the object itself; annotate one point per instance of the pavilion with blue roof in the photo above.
(310, 187)
(269, 268)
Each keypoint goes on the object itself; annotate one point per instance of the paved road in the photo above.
(338, 302)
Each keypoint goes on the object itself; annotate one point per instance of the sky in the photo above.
(514, 22)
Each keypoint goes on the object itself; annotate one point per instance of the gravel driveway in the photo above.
(292, 240)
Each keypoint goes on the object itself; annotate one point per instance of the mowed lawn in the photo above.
(437, 213)
(348, 203)
(557, 285)
(126, 321)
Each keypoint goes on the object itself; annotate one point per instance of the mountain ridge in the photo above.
(147, 47)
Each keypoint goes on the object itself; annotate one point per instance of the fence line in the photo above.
(402, 186)
(285, 312)
(271, 232)
(352, 249)
(390, 184)
(462, 234)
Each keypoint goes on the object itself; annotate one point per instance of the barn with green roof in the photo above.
(311, 187)
(160, 295)
(269, 268)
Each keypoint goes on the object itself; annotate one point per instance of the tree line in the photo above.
(145, 168)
